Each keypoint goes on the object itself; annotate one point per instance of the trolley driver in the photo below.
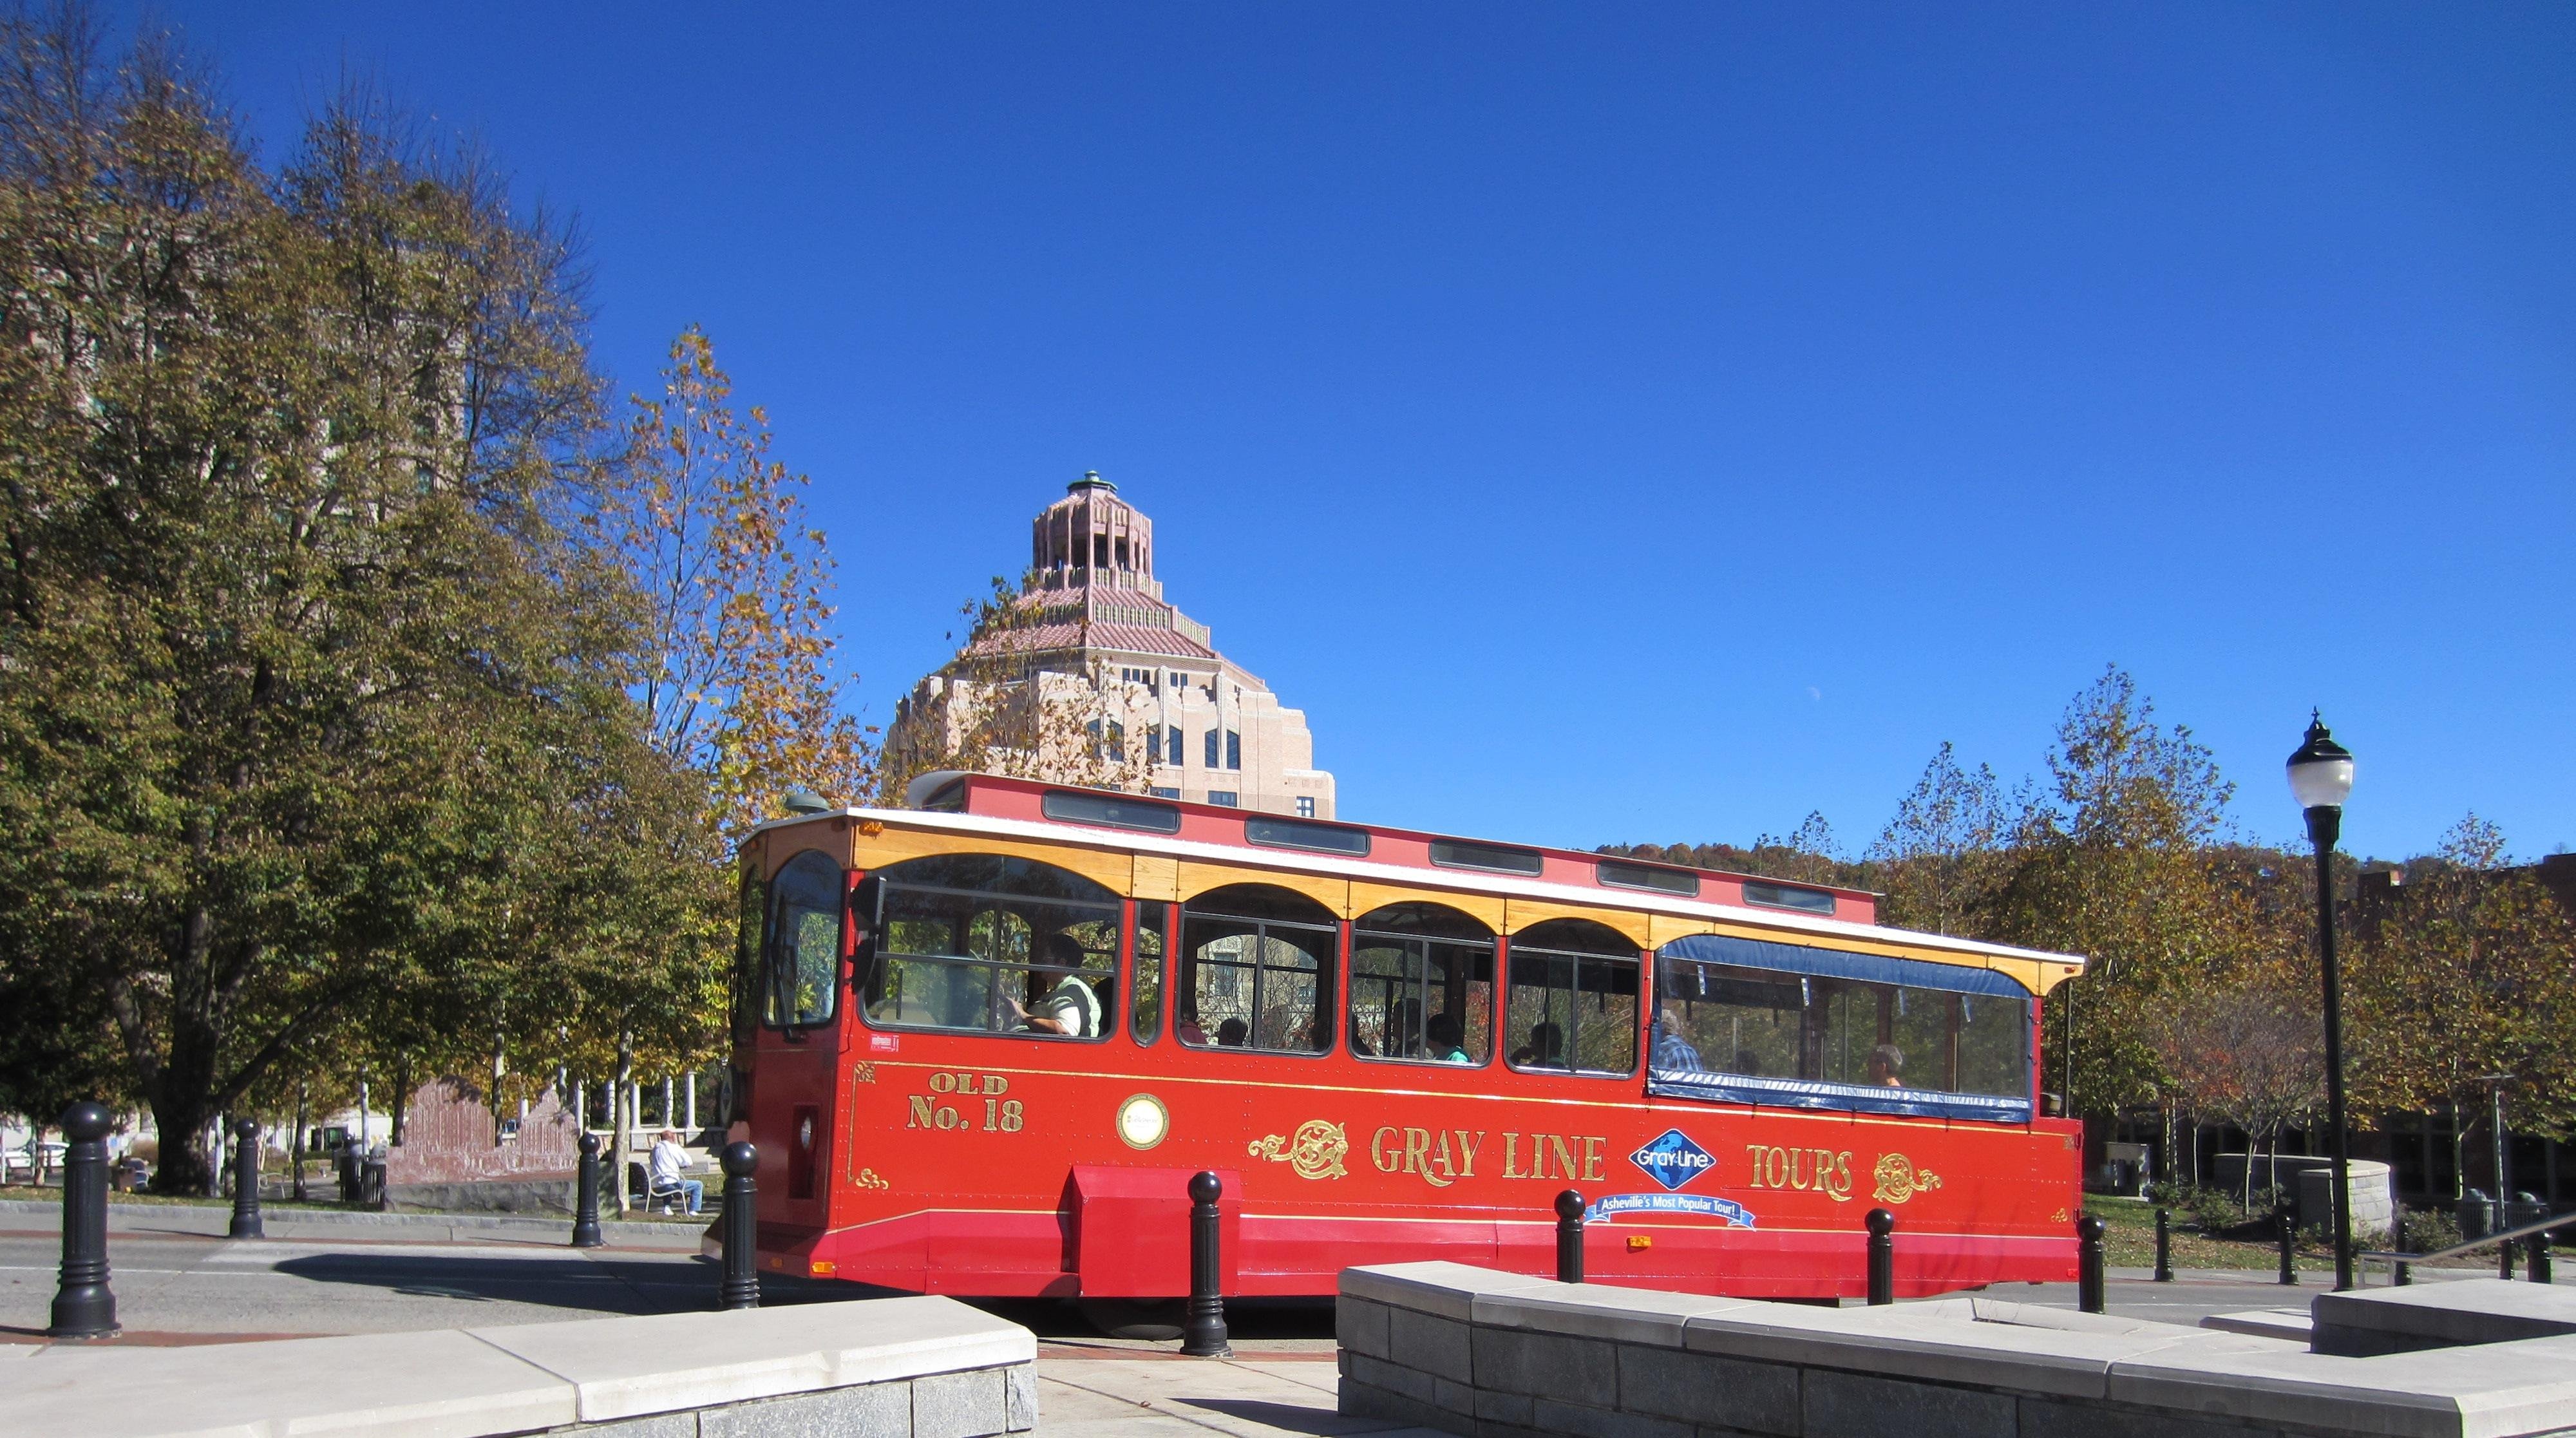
(1069, 1007)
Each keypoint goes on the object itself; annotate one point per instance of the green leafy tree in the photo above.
(2471, 972)
(2112, 861)
(285, 581)
(1942, 857)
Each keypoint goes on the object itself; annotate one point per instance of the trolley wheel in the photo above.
(1154, 1319)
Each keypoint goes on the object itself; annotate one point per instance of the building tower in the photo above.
(1198, 725)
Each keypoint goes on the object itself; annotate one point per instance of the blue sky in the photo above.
(1641, 422)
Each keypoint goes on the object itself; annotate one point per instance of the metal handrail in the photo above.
(2537, 1226)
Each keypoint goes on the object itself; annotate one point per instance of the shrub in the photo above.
(2430, 1230)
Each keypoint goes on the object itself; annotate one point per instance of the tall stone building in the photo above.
(1100, 640)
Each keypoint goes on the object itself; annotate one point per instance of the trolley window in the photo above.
(1572, 1005)
(1145, 1016)
(1256, 969)
(801, 968)
(1789, 896)
(1422, 986)
(987, 943)
(1812, 1028)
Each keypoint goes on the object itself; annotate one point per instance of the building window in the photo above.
(1159, 792)
(1172, 745)
(1213, 739)
(1112, 742)
(1180, 681)
(1305, 806)
(1224, 798)
(1233, 749)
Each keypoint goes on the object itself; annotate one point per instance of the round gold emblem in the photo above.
(1143, 1121)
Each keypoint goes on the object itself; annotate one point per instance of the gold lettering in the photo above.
(996, 1085)
(1798, 1167)
(1511, 1156)
(1437, 1170)
(1839, 1164)
(1753, 1164)
(1564, 1155)
(921, 1112)
(1417, 1146)
(1592, 1172)
(1775, 1162)
(942, 1082)
(1377, 1151)
(1467, 1152)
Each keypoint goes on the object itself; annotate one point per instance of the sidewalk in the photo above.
(24, 1216)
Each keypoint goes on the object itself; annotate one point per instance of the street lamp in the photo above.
(2320, 779)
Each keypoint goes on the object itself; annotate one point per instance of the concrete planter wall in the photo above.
(1498, 1355)
(884, 1368)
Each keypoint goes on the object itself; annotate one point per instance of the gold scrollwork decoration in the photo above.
(1898, 1179)
(1317, 1150)
(868, 1179)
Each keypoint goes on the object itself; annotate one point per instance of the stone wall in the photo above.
(1494, 1355)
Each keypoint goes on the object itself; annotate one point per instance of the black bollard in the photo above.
(83, 1306)
(2164, 1246)
(246, 1180)
(741, 1287)
(1203, 1332)
(2504, 1260)
(1882, 1257)
(2536, 1257)
(585, 1211)
(1569, 1237)
(2088, 1264)
(2286, 1225)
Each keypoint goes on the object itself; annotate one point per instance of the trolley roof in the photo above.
(1029, 810)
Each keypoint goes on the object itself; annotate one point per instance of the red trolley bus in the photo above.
(989, 1037)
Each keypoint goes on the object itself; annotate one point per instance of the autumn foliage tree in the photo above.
(1017, 700)
(738, 683)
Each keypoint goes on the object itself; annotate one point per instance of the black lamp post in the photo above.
(2321, 779)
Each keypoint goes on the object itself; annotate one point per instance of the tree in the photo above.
(1018, 700)
(1942, 855)
(2111, 862)
(736, 688)
(284, 578)
(2248, 1050)
(737, 685)
(2471, 972)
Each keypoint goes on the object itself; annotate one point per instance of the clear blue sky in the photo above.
(1638, 422)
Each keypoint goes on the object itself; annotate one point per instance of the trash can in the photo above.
(2476, 1213)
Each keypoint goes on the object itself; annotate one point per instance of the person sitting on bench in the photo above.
(664, 1172)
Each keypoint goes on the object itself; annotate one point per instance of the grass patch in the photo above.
(2129, 1241)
